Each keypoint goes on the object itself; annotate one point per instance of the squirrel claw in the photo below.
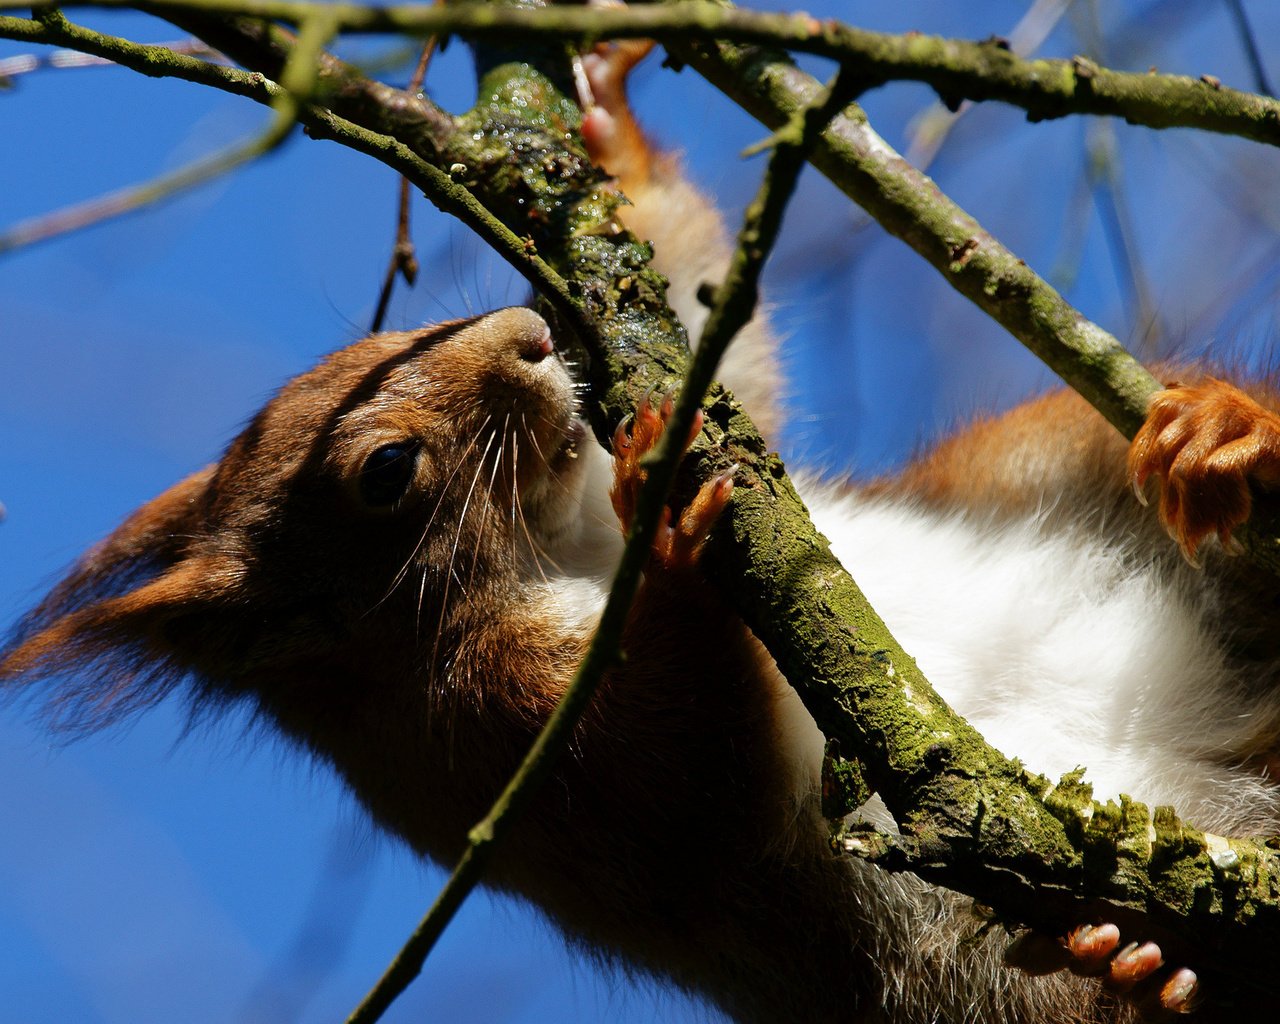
(680, 537)
(1178, 993)
(622, 435)
(697, 519)
(1135, 963)
(1132, 972)
(1091, 947)
(678, 546)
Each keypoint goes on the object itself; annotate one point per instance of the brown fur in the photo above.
(670, 836)
(417, 650)
(409, 649)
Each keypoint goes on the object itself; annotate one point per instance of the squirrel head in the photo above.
(402, 485)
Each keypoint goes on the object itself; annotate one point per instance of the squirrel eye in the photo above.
(386, 473)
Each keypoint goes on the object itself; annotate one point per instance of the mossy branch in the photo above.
(974, 821)
(956, 69)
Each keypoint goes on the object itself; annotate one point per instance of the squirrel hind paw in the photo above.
(608, 63)
(1134, 973)
(682, 544)
(1208, 444)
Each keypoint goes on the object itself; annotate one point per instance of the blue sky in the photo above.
(154, 874)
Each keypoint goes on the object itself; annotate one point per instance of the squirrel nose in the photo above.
(515, 333)
(539, 347)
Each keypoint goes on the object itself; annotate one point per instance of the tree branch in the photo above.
(973, 818)
(956, 69)
(404, 261)
(908, 205)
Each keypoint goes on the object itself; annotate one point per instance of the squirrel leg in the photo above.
(1208, 443)
(612, 135)
(691, 245)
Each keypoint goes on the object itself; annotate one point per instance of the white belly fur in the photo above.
(1056, 649)
(1060, 654)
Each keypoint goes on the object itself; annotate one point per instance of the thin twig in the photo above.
(63, 60)
(299, 75)
(1104, 168)
(440, 189)
(404, 261)
(1105, 172)
(1261, 83)
(152, 60)
(735, 301)
(930, 128)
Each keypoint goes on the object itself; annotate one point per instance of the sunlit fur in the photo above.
(417, 648)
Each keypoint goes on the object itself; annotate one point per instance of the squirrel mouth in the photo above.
(564, 457)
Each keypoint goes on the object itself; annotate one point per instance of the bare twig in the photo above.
(1105, 169)
(1105, 173)
(1249, 41)
(153, 60)
(404, 261)
(60, 60)
(930, 128)
(297, 80)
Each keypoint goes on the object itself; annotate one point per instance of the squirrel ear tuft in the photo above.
(105, 627)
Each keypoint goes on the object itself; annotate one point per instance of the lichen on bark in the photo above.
(521, 149)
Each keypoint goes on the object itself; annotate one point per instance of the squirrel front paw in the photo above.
(1208, 443)
(680, 537)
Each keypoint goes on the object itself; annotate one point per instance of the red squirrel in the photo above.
(399, 562)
